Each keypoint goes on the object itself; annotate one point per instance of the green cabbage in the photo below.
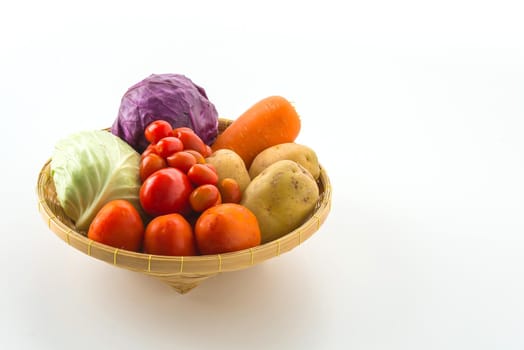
(91, 168)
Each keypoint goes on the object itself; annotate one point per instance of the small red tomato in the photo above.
(166, 191)
(199, 174)
(150, 149)
(199, 157)
(181, 129)
(157, 130)
(169, 145)
(212, 167)
(149, 164)
(191, 141)
(209, 151)
(119, 225)
(181, 160)
(204, 197)
(230, 190)
(169, 235)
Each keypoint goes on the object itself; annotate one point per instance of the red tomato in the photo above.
(199, 158)
(226, 228)
(191, 140)
(204, 197)
(169, 235)
(151, 163)
(166, 191)
(208, 151)
(168, 145)
(212, 167)
(150, 149)
(157, 130)
(119, 225)
(182, 129)
(230, 190)
(181, 160)
(200, 174)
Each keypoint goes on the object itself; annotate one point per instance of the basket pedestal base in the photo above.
(184, 283)
(183, 288)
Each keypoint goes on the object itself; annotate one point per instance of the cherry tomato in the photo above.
(150, 149)
(169, 145)
(199, 157)
(149, 164)
(209, 151)
(204, 197)
(181, 160)
(212, 167)
(199, 174)
(119, 225)
(169, 235)
(182, 129)
(166, 191)
(230, 190)
(191, 140)
(157, 130)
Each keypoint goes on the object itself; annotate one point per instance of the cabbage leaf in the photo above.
(91, 168)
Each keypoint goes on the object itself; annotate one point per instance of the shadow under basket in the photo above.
(183, 273)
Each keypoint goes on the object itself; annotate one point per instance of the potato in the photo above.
(301, 154)
(229, 164)
(282, 196)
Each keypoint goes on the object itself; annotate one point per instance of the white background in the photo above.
(414, 107)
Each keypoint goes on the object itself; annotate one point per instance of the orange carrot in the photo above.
(269, 122)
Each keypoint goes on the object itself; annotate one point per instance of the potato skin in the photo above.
(301, 154)
(229, 164)
(282, 196)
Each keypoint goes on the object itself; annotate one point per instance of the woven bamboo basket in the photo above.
(183, 273)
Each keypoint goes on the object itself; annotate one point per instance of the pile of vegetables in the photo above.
(163, 181)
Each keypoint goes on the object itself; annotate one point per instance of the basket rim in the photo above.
(185, 264)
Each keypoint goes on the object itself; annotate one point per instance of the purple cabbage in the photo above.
(171, 97)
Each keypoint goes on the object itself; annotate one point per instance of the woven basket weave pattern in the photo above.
(182, 273)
